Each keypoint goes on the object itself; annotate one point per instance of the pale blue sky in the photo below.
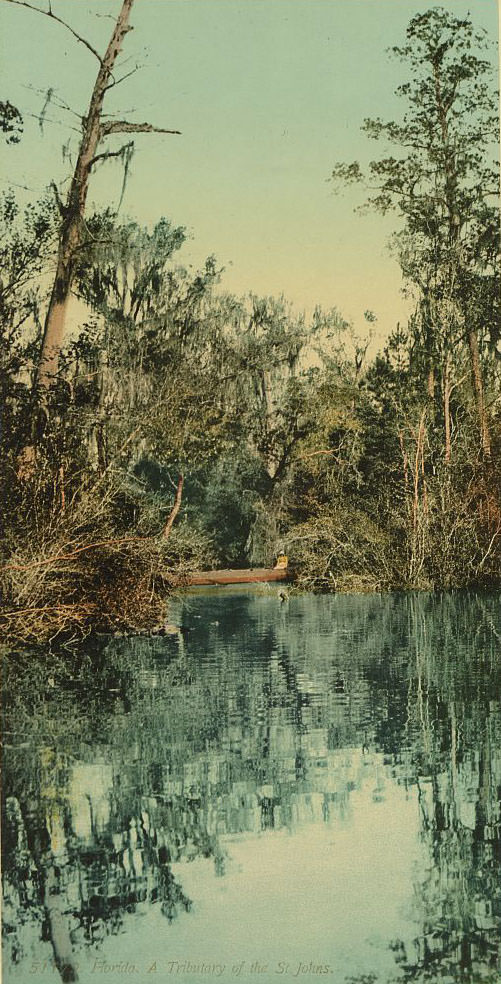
(269, 94)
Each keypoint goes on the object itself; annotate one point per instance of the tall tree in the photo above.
(442, 180)
(94, 131)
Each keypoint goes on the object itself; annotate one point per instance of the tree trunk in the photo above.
(478, 388)
(175, 509)
(73, 212)
(405, 459)
(418, 466)
(54, 325)
(266, 388)
(417, 546)
(454, 235)
(430, 385)
(447, 409)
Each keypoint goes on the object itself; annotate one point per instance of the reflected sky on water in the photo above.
(281, 790)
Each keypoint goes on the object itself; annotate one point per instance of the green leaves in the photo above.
(439, 175)
(11, 122)
(346, 174)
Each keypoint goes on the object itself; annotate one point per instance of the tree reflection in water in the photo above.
(259, 717)
(454, 710)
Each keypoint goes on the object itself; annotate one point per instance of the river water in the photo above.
(303, 790)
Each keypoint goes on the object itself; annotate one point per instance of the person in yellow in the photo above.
(281, 562)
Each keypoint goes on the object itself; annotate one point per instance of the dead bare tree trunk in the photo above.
(94, 129)
(175, 509)
(73, 211)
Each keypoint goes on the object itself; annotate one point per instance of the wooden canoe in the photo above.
(248, 576)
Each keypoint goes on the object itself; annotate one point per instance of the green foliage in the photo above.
(223, 498)
(368, 475)
(441, 178)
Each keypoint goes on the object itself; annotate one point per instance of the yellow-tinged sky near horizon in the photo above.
(268, 94)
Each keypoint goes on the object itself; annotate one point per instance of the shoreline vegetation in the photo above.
(180, 427)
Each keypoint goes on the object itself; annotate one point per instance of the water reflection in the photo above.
(340, 754)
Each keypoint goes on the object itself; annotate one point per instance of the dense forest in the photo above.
(179, 426)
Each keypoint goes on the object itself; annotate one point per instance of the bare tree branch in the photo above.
(489, 548)
(69, 556)
(48, 13)
(106, 154)
(56, 99)
(45, 119)
(122, 79)
(122, 126)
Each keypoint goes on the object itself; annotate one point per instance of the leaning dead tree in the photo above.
(95, 130)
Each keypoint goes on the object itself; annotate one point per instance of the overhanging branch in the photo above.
(122, 126)
(107, 154)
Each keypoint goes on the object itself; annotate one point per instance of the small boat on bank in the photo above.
(244, 576)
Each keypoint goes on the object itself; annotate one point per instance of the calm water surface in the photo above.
(303, 790)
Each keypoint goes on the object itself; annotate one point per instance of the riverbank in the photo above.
(113, 585)
(122, 587)
(102, 562)
(87, 570)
